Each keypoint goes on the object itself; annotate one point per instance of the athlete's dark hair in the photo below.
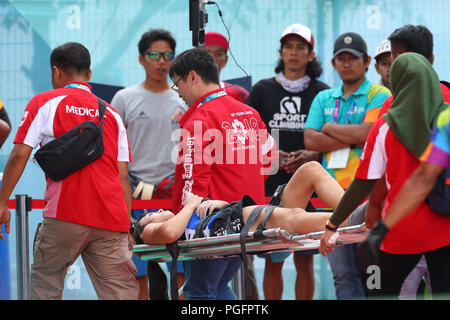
(313, 68)
(198, 60)
(418, 39)
(154, 35)
(71, 57)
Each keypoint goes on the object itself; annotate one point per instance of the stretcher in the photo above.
(273, 240)
(267, 241)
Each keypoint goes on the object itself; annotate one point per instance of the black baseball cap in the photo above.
(350, 42)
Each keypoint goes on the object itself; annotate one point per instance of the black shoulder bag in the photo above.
(74, 149)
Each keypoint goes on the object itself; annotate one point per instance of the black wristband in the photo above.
(330, 228)
(353, 146)
(204, 199)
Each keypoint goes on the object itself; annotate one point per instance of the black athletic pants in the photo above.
(394, 268)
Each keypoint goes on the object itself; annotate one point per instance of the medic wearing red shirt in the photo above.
(224, 153)
(86, 213)
(394, 147)
(224, 149)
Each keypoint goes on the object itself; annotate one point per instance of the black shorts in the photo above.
(228, 220)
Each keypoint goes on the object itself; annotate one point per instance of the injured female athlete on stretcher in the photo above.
(203, 218)
(217, 217)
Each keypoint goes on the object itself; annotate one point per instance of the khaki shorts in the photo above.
(106, 254)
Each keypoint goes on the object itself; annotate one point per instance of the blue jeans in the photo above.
(346, 272)
(208, 278)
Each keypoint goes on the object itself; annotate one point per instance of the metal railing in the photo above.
(23, 206)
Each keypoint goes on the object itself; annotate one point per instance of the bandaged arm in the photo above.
(355, 194)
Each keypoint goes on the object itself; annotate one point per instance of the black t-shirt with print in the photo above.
(284, 113)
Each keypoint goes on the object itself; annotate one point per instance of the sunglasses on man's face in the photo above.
(155, 55)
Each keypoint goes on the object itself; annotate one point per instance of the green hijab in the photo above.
(417, 101)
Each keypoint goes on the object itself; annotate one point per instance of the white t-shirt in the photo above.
(151, 120)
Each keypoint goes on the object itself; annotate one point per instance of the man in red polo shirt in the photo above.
(87, 213)
(225, 153)
(224, 147)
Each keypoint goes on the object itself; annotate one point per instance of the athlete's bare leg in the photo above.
(311, 177)
(291, 216)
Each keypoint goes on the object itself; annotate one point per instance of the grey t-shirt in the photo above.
(150, 118)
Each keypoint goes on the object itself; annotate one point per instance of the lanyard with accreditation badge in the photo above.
(77, 85)
(339, 158)
(212, 97)
(350, 111)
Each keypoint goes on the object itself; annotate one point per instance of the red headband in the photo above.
(216, 38)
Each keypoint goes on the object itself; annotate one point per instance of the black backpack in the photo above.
(439, 197)
(228, 221)
(74, 149)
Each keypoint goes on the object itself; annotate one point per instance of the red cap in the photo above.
(216, 38)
